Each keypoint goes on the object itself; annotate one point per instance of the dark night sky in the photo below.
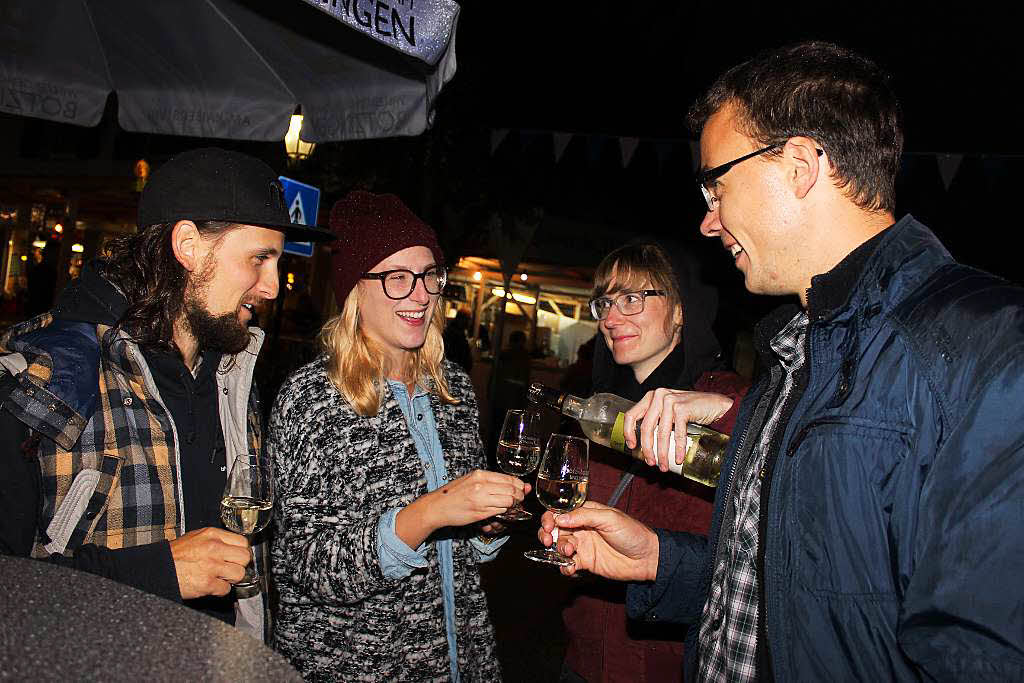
(632, 68)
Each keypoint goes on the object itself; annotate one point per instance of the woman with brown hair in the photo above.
(382, 495)
(654, 331)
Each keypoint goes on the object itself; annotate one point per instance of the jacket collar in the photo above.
(874, 275)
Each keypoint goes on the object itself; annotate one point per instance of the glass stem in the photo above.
(252, 553)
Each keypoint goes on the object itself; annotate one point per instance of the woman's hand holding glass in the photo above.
(518, 453)
(469, 499)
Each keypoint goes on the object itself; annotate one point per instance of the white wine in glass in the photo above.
(247, 504)
(518, 453)
(561, 487)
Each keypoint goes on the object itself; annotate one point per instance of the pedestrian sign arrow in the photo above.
(295, 212)
(303, 202)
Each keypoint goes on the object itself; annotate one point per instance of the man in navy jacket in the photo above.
(867, 522)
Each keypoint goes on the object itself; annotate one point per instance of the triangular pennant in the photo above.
(560, 141)
(948, 166)
(497, 137)
(662, 150)
(628, 147)
(694, 155)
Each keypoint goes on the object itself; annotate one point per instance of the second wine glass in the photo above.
(247, 505)
(518, 453)
(561, 487)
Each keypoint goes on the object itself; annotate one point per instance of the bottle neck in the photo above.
(573, 406)
(546, 396)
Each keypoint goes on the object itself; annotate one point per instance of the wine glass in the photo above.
(561, 487)
(518, 453)
(247, 505)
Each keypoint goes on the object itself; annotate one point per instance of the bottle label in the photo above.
(618, 438)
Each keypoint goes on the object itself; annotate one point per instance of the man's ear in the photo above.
(804, 164)
(186, 241)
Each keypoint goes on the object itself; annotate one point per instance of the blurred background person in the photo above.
(456, 343)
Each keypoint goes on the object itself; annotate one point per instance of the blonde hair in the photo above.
(633, 264)
(358, 367)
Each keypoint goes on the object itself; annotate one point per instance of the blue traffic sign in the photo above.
(303, 202)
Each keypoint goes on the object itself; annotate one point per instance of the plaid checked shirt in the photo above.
(110, 477)
(727, 639)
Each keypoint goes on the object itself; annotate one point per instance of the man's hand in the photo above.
(606, 542)
(208, 561)
(670, 410)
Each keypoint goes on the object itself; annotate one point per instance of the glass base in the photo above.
(515, 515)
(549, 556)
(249, 584)
(246, 590)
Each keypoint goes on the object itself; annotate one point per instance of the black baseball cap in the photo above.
(212, 184)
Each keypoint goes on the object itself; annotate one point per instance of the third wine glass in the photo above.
(561, 486)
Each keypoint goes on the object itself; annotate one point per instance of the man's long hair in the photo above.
(144, 268)
(358, 368)
(838, 98)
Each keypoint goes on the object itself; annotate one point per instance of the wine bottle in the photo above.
(602, 418)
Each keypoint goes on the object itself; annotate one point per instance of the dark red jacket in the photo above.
(602, 644)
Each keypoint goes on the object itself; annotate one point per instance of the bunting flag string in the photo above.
(947, 163)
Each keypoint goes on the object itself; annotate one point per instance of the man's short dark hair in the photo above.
(819, 90)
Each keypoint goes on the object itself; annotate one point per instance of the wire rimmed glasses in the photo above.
(628, 303)
(562, 481)
(399, 283)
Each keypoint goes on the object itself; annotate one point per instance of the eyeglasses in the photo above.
(628, 303)
(398, 284)
(705, 178)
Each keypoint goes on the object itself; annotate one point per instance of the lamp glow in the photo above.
(296, 147)
(77, 248)
(521, 298)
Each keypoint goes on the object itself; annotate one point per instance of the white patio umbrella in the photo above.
(229, 69)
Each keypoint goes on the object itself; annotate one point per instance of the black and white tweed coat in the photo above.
(337, 472)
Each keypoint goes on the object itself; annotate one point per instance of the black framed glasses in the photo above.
(628, 303)
(398, 284)
(706, 178)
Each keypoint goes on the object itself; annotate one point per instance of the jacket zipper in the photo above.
(763, 657)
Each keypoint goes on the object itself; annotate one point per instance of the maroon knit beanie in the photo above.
(370, 227)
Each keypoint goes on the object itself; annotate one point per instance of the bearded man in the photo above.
(120, 406)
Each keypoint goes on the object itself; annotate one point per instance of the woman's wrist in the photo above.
(415, 522)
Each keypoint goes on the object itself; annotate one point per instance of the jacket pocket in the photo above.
(845, 493)
(72, 509)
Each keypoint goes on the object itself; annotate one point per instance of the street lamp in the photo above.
(297, 148)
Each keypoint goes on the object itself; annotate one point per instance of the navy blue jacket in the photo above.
(892, 545)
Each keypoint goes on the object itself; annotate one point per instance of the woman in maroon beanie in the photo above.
(382, 493)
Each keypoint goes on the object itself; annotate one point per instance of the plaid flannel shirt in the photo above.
(111, 477)
(728, 628)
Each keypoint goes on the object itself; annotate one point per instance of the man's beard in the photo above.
(224, 333)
